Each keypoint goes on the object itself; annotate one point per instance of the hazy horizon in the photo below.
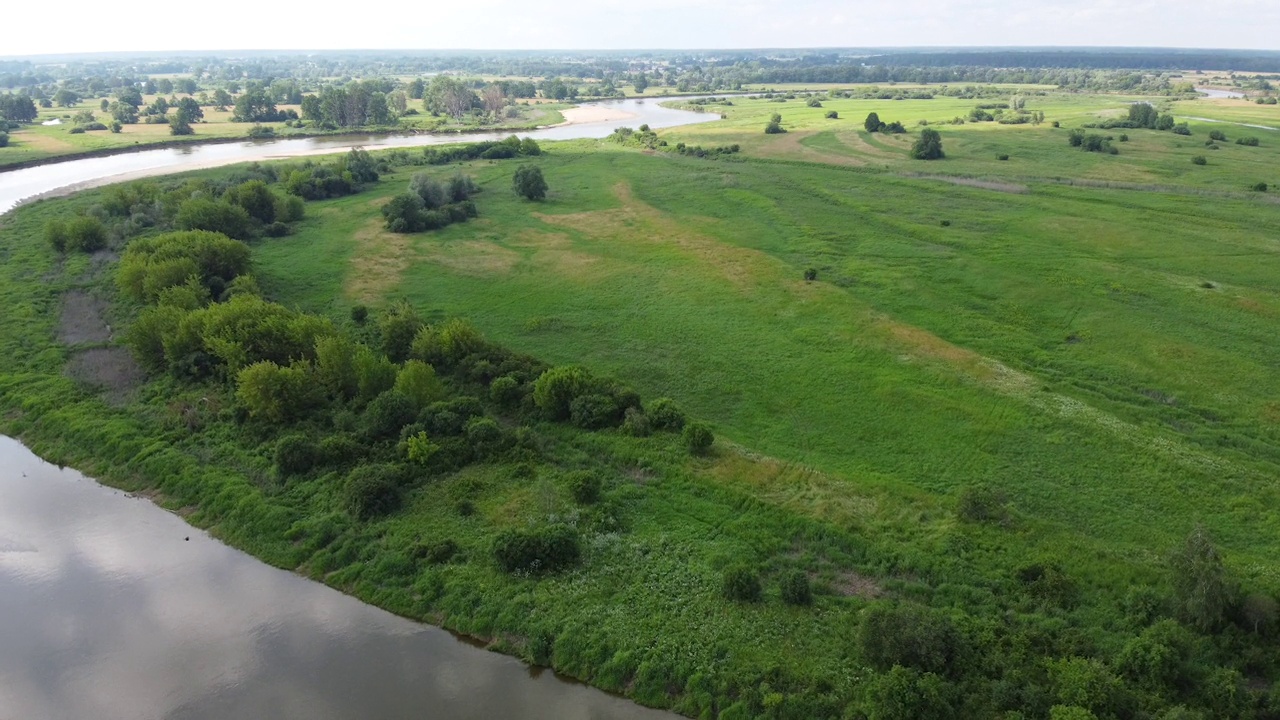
(604, 25)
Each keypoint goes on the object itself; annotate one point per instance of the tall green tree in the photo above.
(928, 146)
(1204, 590)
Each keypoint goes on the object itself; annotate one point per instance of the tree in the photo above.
(1143, 115)
(529, 183)
(555, 390)
(774, 127)
(190, 110)
(641, 83)
(255, 106)
(449, 96)
(928, 146)
(909, 635)
(256, 198)
(415, 89)
(178, 125)
(65, 98)
(1201, 585)
(872, 123)
(372, 490)
(130, 96)
(493, 98)
(221, 99)
(418, 382)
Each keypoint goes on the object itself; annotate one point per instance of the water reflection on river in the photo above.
(17, 185)
(107, 611)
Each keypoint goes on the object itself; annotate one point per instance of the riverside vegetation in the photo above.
(782, 429)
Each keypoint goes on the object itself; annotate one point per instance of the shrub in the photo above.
(276, 230)
(388, 413)
(372, 490)
(555, 390)
(928, 146)
(529, 183)
(585, 486)
(4, 139)
(741, 584)
(418, 382)
(698, 437)
(289, 208)
(664, 414)
(1199, 160)
(593, 411)
(1249, 141)
(1217, 135)
(83, 233)
(274, 393)
(872, 123)
(832, 115)
(636, 423)
(77, 130)
(505, 391)
(1075, 138)
(539, 550)
(429, 190)
(405, 213)
(1260, 187)
(795, 588)
(437, 553)
(260, 132)
(115, 126)
(775, 125)
(1002, 156)
(909, 635)
(981, 503)
(296, 455)
(811, 274)
(214, 216)
(1181, 129)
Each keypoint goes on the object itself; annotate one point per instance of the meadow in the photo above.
(998, 394)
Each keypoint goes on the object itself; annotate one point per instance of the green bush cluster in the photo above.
(546, 549)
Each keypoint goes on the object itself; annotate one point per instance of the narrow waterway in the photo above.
(113, 609)
(71, 175)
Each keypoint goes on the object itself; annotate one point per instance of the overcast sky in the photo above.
(94, 26)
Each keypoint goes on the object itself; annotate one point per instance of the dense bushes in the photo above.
(215, 216)
(429, 205)
(538, 550)
(149, 265)
(572, 393)
(908, 635)
(499, 150)
(80, 234)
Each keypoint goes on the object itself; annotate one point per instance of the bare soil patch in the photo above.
(82, 319)
(110, 370)
(850, 583)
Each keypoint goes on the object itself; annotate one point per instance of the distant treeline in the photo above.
(1156, 59)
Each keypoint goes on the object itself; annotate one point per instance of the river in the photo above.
(67, 176)
(112, 608)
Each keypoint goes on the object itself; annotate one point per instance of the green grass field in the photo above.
(1091, 335)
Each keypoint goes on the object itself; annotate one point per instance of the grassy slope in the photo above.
(682, 276)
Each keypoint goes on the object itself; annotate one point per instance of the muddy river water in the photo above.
(111, 608)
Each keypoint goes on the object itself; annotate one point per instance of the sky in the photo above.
(95, 26)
